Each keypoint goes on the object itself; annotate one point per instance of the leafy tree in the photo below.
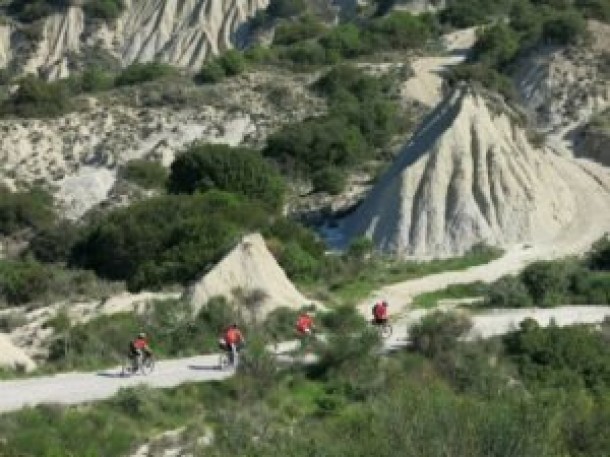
(215, 166)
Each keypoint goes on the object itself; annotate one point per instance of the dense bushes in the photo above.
(27, 281)
(166, 239)
(438, 332)
(32, 10)
(138, 73)
(239, 170)
(37, 98)
(25, 210)
(145, 173)
(560, 357)
(104, 9)
(361, 119)
(231, 63)
(549, 284)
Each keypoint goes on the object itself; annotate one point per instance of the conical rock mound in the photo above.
(469, 175)
(249, 270)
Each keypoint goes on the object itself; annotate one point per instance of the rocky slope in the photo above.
(180, 32)
(470, 175)
(562, 88)
(78, 154)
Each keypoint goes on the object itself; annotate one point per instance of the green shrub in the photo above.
(316, 144)
(22, 282)
(546, 282)
(96, 80)
(560, 357)
(286, 8)
(37, 98)
(25, 210)
(233, 62)
(497, 46)
(243, 171)
(330, 179)
(344, 40)
(104, 9)
(482, 74)
(564, 28)
(32, 10)
(400, 30)
(599, 257)
(306, 28)
(145, 173)
(438, 332)
(508, 292)
(53, 243)
(138, 73)
(166, 239)
(212, 72)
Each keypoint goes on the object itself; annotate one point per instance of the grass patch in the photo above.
(379, 272)
(430, 299)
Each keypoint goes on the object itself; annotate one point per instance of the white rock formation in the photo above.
(180, 32)
(12, 357)
(248, 269)
(563, 87)
(5, 44)
(468, 175)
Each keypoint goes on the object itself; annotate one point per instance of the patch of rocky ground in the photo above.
(77, 155)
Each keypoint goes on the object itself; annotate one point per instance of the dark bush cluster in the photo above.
(242, 171)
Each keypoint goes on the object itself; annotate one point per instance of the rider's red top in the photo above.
(380, 312)
(140, 343)
(304, 323)
(233, 336)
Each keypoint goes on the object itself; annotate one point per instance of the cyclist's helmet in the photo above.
(141, 335)
(384, 303)
(234, 325)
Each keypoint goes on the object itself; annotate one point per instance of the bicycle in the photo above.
(224, 359)
(385, 329)
(145, 364)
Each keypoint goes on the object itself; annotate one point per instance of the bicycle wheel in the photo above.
(127, 367)
(223, 361)
(148, 365)
(386, 330)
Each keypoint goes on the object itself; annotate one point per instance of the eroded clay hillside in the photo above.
(179, 32)
(470, 174)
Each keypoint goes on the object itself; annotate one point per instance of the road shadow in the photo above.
(111, 374)
(204, 367)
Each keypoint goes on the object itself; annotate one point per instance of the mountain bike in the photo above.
(384, 329)
(144, 364)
